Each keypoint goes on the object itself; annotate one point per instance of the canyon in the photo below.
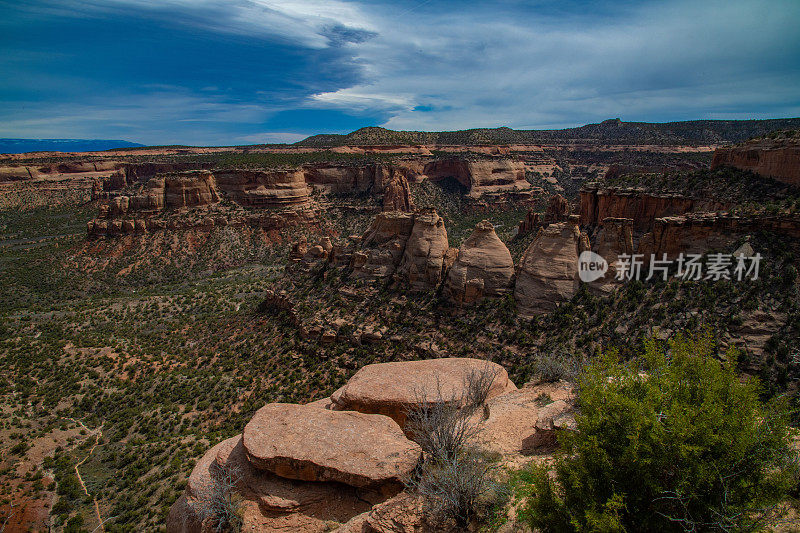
(319, 291)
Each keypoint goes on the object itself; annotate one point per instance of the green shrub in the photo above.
(687, 446)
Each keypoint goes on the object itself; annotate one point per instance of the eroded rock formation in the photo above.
(481, 176)
(376, 388)
(558, 210)
(397, 195)
(700, 232)
(264, 188)
(423, 262)
(548, 271)
(383, 245)
(614, 238)
(483, 268)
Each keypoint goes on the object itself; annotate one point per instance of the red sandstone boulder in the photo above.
(267, 502)
(308, 443)
(392, 389)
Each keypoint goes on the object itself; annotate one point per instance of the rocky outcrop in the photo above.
(307, 443)
(115, 227)
(516, 423)
(383, 245)
(307, 258)
(376, 388)
(548, 271)
(264, 188)
(397, 195)
(481, 176)
(640, 206)
(777, 158)
(405, 513)
(483, 268)
(556, 416)
(423, 262)
(268, 502)
(614, 238)
(558, 210)
(700, 232)
(303, 467)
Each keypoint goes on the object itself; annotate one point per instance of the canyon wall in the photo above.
(264, 188)
(482, 176)
(773, 158)
(598, 204)
(698, 233)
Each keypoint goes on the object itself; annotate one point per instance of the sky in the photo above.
(222, 72)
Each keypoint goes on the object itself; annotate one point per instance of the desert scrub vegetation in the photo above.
(457, 481)
(685, 445)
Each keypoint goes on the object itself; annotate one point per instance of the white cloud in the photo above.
(303, 22)
(473, 67)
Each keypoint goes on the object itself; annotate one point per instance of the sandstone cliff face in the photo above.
(558, 210)
(778, 159)
(383, 245)
(484, 268)
(481, 176)
(264, 188)
(423, 262)
(640, 206)
(697, 233)
(548, 271)
(342, 178)
(129, 173)
(171, 190)
(615, 237)
(397, 195)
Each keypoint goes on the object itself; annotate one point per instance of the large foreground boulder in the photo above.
(308, 443)
(268, 502)
(392, 389)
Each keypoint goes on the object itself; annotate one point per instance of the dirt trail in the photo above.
(97, 434)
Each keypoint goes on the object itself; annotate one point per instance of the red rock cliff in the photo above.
(638, 205)
(778, 159)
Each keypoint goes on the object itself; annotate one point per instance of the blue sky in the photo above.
(211, 72)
